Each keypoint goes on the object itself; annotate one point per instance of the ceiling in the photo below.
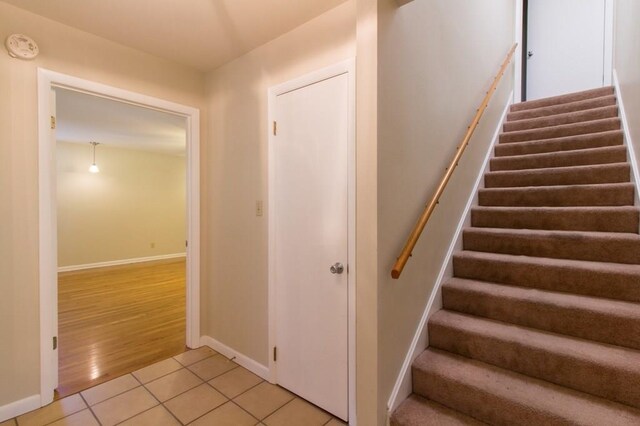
(202, 34)
(81, 118)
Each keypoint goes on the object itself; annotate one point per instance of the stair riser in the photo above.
(588, 281)
(605, 327)
(583, 220)
(565, 159)
(564, 99)
(617, 250)
(562, 119)
(566, 176)
(561, 131)
(575, 371)
(603, 101)
(571, 143)
(622, 195)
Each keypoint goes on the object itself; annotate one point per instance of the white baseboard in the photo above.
(633, 160)
(120, 262)
(18, 408)
(241, 359)
(403, 386)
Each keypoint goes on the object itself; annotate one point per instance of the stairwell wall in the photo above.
(437, 59)
(627, 64)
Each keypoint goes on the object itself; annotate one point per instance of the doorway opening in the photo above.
(567, 46)
(119, 231)
(121, 228)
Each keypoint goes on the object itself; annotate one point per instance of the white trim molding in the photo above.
(108, 263)
(346, 67)
(250, 364)
(20, 407)
(609, 27)
(403, 385)
(48, 80)
(628, 141)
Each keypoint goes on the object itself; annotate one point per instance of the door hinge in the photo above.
(275, 128)
(55, 342)
(53, 122)
(186, 243)
(275, 354)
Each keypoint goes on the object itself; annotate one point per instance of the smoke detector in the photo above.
(22, 47)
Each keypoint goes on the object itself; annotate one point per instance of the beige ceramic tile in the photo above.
(124, 406)
(227, 415)
(235, 382)
(10, 422)
(157, 416)
(195, 403)
(54, 411)
(193, 356)
(109, 389)
(157, 370)
(263, 399)
(212, 367)
(173, 384)
(336, 422)
(82, 418)
(298, 412)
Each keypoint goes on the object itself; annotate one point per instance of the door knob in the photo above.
(530, 54)
(338, 268)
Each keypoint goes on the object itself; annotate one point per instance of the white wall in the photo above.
(436, 59)
(236, 174)
(66, 50)
(627, 64)
(134, 208)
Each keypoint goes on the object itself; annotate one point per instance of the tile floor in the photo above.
(198, 387)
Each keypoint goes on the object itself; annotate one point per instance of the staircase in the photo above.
(541, 322)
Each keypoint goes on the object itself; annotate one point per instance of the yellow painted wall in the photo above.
(137, 200)
(66, 50)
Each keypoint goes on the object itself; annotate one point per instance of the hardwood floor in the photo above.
(116, 320)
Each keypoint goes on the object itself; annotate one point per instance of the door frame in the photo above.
(522, 27)
(346, 67)
(48, 234)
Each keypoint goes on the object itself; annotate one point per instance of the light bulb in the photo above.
(94, 168)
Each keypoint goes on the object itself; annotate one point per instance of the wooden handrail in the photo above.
(426, 214)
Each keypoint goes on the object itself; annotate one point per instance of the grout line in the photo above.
(160, 402)
(243, 392)
(90, 409)
(239, 406)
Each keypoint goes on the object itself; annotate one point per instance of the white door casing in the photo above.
(568, 45)
(47, 80)
(311, 229)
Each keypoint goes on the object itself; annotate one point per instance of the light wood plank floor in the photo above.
(116, 320)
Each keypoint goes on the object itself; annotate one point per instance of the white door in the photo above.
(565, 46)
(310, 230)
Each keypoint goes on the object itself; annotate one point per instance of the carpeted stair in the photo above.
(541, 322)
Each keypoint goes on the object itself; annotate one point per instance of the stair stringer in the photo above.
(631, 155)
(403, 386)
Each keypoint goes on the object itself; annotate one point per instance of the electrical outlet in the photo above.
(259, 209)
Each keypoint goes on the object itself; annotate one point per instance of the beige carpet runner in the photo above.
(541, 322)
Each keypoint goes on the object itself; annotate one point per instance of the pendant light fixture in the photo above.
(93, 168)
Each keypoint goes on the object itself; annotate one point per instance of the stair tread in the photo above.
(616, 357)
(615, 281)
(419, 411)
(558, 109)
(563, 99)
(621, 268)
(562, 118)
(576, 235)
(559, 210)
(564, 144)
(567, 169)
(476, 387)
